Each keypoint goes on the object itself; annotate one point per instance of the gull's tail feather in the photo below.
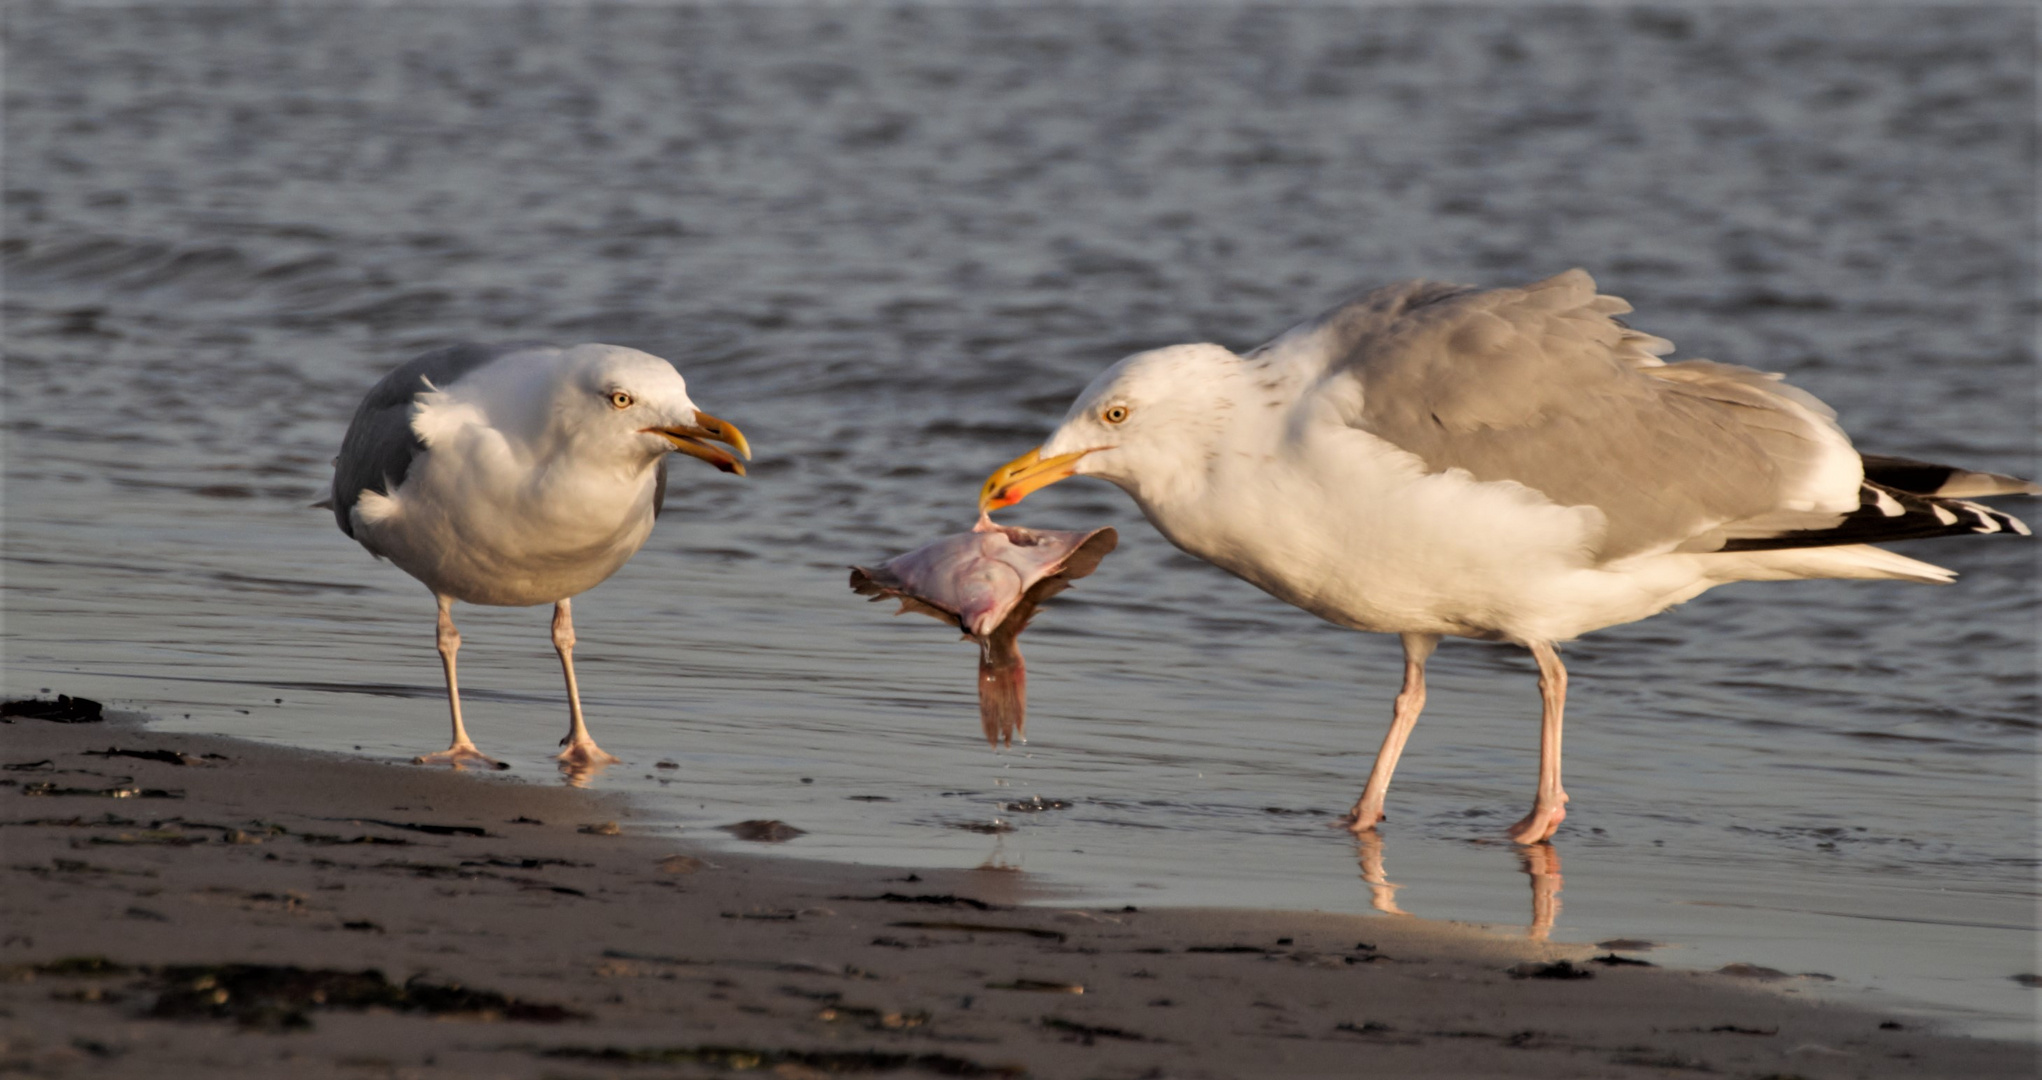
(1861, 561)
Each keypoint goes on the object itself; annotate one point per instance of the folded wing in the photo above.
(1543, 386)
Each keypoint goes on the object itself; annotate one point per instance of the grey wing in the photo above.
(1542, 385)
(659, 489)
(379, 445)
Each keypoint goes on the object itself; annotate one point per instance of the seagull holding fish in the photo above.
(1507, 465)
(514, 475)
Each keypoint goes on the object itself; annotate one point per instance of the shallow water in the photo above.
(892, 244)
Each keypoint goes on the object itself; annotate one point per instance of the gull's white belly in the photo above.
(1351, 535)
(505, 545)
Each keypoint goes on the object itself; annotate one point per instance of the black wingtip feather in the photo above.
(1947, 481)
(1885, 514)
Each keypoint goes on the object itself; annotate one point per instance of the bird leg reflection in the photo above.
(582, 758)
(1382, 892)
(1541, 862)
(1410, 702)
(463, 751)
(1549, 807)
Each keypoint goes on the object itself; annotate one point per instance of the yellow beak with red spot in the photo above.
(1010, 483)
(689, 439)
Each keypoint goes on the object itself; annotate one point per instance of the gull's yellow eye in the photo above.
(620, 399)
(1114, 414)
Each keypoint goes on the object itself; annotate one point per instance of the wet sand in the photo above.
(529, 930)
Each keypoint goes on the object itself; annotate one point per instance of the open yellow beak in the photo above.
(1010, 483)
(689, 439)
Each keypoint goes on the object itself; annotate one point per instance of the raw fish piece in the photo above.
(988, 582)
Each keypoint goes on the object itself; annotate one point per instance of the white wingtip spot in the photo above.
(1944, 516)
(1887, 504)
(2020, 527)
(1986, 522)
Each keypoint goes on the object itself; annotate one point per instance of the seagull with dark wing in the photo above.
(515, 475)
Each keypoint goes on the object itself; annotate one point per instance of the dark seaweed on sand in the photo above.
(119, 791)
(1558, 969)
(1089, 1032)
(168, 757)
(942, 899)
(747, 1058)
(65, 710)
(277, 997)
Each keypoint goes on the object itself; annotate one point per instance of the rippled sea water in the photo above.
(892, 243)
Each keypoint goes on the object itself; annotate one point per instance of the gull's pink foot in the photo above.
(1362, 820)
(1541, 823)
(586, 755)
(460, 756)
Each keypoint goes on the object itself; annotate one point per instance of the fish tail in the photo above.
(1003, 697)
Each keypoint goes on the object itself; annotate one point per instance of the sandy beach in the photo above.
(180, 905)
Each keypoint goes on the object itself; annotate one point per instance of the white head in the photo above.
(607, 396)
(595, 402)
(1146, 423)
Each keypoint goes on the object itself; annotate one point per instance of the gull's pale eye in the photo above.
(1114, 414)
(620, 399)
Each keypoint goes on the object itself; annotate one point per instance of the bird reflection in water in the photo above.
(1540, 863)
(578, 773)
(1382, 892)
(997, 860)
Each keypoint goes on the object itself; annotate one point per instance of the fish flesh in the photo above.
(988, 583)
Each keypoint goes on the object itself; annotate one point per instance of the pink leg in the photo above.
(463, 751)
(1410, 702)
(582, 753)
(1549, 808)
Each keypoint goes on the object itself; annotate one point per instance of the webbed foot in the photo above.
(1539, 825)
(583, 760)
(460, 755)
(1363, 819)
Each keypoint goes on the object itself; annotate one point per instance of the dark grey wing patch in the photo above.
(659, 489)
(379, 445)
